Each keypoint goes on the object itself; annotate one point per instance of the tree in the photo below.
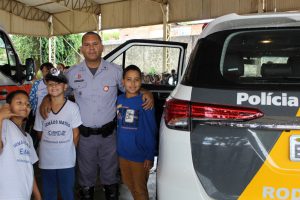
(67, 47)
(27, 47)
(37, 48)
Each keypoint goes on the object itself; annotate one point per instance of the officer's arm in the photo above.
(45, 106)
(69, 93)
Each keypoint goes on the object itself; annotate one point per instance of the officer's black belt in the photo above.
(106, 130)
(91, 131)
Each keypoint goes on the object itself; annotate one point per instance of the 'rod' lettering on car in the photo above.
(267, 98)
(280, 193)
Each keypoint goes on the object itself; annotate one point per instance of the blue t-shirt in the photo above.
(136, 130)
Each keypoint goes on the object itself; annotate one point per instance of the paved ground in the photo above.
(124, 192)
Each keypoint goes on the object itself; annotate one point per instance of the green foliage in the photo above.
(3, 56)
(38, 48)
(66, 48)
(152, 71)
(44, 56)
(26, 47)
(110, 35)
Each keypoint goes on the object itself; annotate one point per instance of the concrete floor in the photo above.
(124, 192)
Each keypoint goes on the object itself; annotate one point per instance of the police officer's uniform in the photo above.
(96, 97)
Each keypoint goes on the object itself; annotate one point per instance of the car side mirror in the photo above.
(29, 65)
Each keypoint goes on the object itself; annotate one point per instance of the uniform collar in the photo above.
(103, 65)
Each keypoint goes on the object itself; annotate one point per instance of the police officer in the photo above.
(95, 83)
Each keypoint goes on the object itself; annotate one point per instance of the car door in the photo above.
(161, 63)
(10, 69)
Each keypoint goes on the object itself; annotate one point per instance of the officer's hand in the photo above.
(45, 107)
(148, 100)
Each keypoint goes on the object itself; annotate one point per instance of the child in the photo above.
(136, 135)
(39, 89)
(37, 93)
(59, 136)
(17, 154)
(61, 67)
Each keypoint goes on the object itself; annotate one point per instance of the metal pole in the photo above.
(75, 50)
(52, 46)
(261, 6)
(166, 36)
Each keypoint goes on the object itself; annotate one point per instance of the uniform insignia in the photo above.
(106, 88)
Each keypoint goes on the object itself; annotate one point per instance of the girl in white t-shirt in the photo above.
(59, 136)
(17, 154)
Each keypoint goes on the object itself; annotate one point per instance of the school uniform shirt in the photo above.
(16, 159)
(56, 148)
(136, 129)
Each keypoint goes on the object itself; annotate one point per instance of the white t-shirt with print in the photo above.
(16, 159)
(57, 149)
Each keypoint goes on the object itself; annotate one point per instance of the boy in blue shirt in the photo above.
(136, 135)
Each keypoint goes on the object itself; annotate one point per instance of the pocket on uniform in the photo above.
(109, 86)
(80, 85)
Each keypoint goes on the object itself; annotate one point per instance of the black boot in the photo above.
(86, 193)
(111, 191)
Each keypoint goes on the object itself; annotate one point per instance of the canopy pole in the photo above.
(166, 36)
(51, 42)
(99, 25)
(261, 6)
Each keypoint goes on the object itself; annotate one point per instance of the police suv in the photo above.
(230, 129)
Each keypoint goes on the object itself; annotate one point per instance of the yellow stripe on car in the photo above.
(279, 177)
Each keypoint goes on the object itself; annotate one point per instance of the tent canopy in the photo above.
(36, 17)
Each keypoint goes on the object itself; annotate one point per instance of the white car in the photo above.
(230, 129)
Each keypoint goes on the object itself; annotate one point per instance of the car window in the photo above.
(8, 60)
(245, 57)
(251, 56)
(150, 59)
(3, 54)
